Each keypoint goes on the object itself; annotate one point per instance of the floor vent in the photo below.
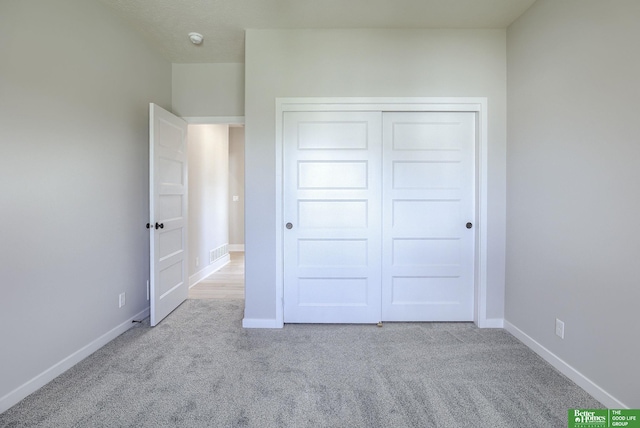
(218, 253)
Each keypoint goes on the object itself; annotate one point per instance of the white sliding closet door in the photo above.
(378, 216)
(332, 231)
(428, 212)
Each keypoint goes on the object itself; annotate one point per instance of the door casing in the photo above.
(476, 105)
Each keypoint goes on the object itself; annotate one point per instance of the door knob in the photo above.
(148, 225)
(469, 225)
(289, 226)
(159, 226)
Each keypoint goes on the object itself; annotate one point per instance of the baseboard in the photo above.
(236, 247)
(260, 323)
(581, 380)
(272, 323)
(31, 386)
(212, 268)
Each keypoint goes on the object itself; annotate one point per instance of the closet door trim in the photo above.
(463, 104)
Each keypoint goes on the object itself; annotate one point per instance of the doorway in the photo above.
(216, 210)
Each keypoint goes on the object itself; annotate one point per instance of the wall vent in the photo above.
(218, 253)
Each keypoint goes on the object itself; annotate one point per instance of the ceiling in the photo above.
(167, 23)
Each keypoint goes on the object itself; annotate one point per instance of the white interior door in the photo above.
(168, 212)
(428, 199)
(332, 240)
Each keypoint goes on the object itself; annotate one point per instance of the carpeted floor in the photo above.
(200, 368)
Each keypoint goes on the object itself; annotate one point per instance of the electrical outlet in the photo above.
(121, 300)
(197, 261)
(559, 328)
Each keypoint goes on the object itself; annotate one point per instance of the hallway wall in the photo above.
(236, 186)
(208, 193)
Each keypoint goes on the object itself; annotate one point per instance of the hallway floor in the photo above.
(227, 283)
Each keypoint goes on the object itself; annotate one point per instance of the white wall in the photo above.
(364, 63)
(202, 90)
(208, 192)
(73, 183)
(236, 186)
(573, 172)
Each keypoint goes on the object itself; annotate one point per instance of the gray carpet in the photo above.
(199, 368)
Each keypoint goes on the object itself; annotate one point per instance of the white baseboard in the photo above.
(236, 247)
(260, 323)
(581, 380)
(213, 267)
(31, 386)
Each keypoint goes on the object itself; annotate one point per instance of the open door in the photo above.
(169, 285)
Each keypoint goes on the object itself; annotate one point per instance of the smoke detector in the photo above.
(196, 38)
